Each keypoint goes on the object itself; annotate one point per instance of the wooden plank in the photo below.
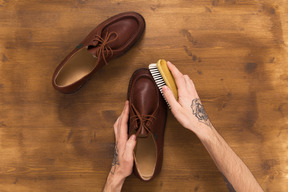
(235, 52)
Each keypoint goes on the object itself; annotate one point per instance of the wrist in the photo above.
(203, 132)
(114, 183)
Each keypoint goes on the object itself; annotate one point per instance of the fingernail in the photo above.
(133, 137)
(164, 88)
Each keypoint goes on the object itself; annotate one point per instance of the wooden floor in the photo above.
(234, 50)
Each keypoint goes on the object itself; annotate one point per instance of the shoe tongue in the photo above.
(143, 111)
(93, 50)
(143, 132)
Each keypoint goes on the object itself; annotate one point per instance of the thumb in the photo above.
(130, 145)
(169, 96)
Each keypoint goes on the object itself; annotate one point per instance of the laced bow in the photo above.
(141, 120)
(104, 47)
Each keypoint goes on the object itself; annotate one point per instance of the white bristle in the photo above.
(158, 79)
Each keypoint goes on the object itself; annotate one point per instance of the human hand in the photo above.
(188, 110)
(123, 155)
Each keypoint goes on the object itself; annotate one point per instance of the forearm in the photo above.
(189, 111)
(228, 162)
(114, 183)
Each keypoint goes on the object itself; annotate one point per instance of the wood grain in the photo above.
(234, 50)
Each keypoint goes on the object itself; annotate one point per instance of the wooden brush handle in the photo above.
(167, 76)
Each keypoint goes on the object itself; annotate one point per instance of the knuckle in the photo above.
(129, 145)
(185, 124)
(126, 160)
(192, 82)
(174, 110)
(179, 76)
(187, 77)
(193, 85)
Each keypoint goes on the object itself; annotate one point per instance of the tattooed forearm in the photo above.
(229, 185)
(115, 161)
(199, 112)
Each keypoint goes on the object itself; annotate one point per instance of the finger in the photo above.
(125, 116)
(121, 116)
(115, 126)
(178, 76)
(124, 122)
(169, 96)
(130, 145)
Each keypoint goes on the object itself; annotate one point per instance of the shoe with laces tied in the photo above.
(107, 41)
(147, 119)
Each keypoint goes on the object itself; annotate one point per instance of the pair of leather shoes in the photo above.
(148, 110)
(109, 40)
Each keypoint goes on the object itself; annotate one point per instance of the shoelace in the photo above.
(143, 119)
(104, 47)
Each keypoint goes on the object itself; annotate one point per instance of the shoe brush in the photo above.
(162, 76)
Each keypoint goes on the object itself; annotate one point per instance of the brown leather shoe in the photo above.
(107, 41)
(147, 119)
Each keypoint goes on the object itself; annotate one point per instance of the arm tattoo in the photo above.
(115, 161)
(199, 112)
(229, 185)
